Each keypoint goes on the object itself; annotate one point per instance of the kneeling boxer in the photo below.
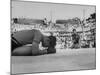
(20, 39)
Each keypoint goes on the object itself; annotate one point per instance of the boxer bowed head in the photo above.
(45, 41)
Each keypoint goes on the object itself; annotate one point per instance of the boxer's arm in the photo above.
(36, 42)
(35, 48)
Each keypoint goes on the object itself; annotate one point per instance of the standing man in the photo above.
(93, 38)
(75, 39)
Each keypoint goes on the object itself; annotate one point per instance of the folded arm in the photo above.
(35, 44)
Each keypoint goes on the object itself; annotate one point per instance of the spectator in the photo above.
(75, 39)
(45, 22)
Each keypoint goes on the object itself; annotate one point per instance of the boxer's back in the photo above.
(24, 36)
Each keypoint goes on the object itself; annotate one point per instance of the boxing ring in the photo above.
(63, 60)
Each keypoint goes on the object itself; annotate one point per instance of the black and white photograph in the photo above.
(52, 37)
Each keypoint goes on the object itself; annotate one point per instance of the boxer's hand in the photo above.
(36, 50)
(41, 47)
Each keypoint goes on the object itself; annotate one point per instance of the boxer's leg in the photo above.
(72, 46)
(27, 51)
(22, 51)
(13, 45)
